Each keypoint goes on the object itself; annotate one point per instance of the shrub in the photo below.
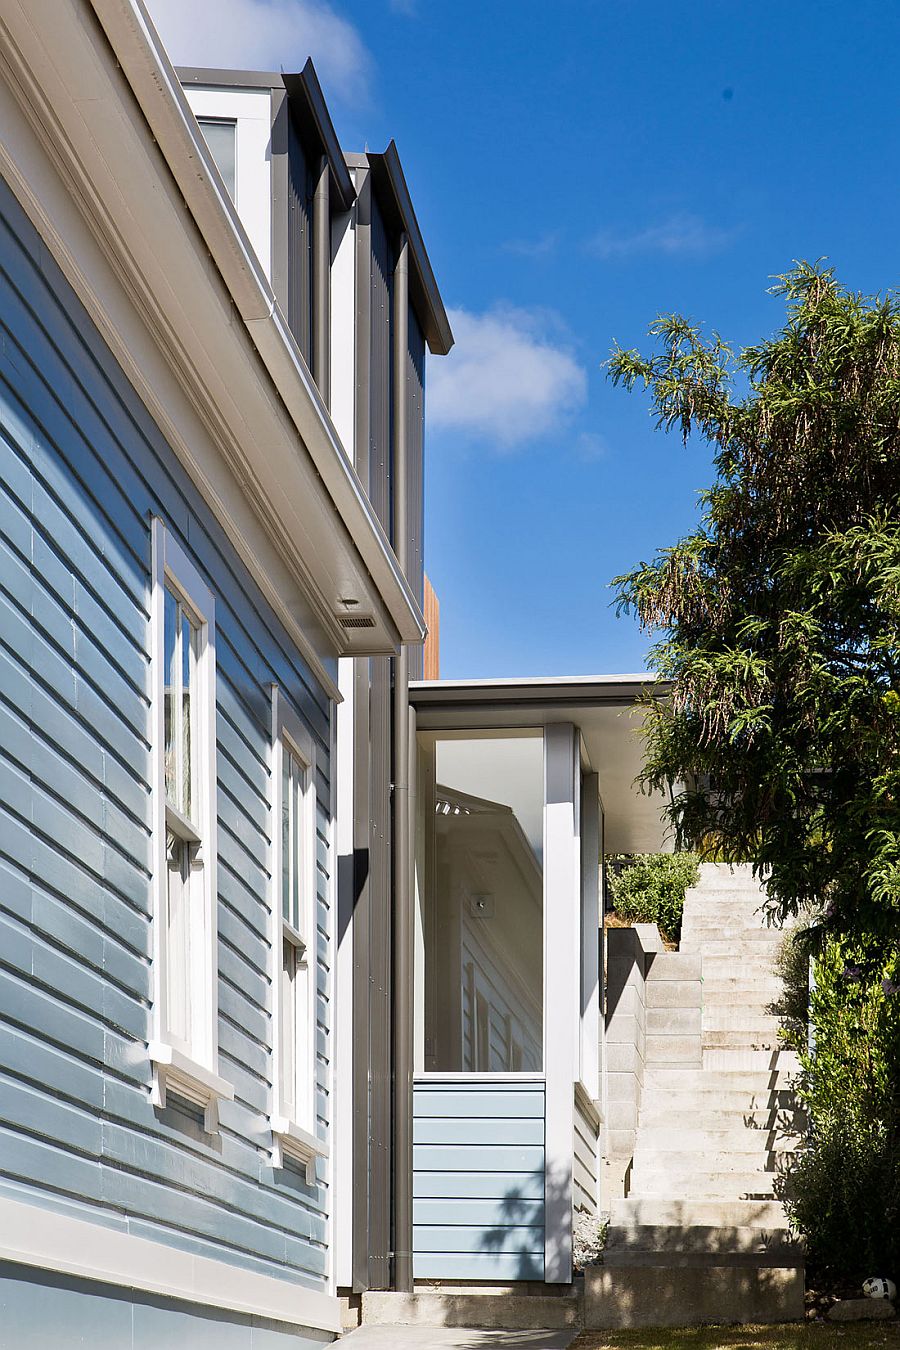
(792, 1005)
(843, 1192)
(650, 887)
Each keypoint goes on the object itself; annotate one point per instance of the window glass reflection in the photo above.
(482, 898)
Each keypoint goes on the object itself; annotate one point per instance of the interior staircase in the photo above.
(700, 1235)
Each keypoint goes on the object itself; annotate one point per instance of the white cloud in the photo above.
(541, 247)
(590, 446)
(507, 380)
(682, 233)
(266, 35)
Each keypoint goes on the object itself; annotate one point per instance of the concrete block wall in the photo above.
(653, 1020)
(629, 955)
(673, 998)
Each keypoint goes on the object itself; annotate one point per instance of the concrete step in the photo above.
(729, 1098)
(740, 1040)
(781, 1255)
(760, 950)
(702, 1239)
(744, 929)
(759, 987)
(697, 1185)
(658, 1114)
(723, 874)
(492, 1309)
(687, 1214)
(739, 1145)
(723, 898)
(729, 966)
(714, 1080)
(769, 1060)
(731, 1017)
(679, 1163)
(760, 996)
(619, 1297)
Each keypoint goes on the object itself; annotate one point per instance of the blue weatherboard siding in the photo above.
(82, 468)
(79, 1315)
(478, 1180)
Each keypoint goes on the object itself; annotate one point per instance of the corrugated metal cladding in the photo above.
(83, 467)
(380, 372)
(478, 1180)
(415, 423)
(300, 190)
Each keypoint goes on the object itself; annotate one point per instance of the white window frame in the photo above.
(293, 1124)
(189, 1072)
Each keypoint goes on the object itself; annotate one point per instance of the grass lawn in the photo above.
(797, 1336)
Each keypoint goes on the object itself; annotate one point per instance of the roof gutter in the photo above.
(143, 59)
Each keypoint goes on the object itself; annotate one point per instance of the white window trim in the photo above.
(195, 1079)
(292, 1138)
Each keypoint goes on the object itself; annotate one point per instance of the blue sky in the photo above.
(578, 167)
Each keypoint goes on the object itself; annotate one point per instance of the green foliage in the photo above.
(650, 887)
(792, 1007)
(778, 619)
(843, 1192)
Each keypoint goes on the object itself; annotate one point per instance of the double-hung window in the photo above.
(293, 945)
(184, 1049)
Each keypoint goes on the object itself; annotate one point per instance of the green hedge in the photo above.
(843, 1192)
(650, 887)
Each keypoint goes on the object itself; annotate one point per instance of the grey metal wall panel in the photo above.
(300, 188)
(381, 360)
(415, 424)
(82, 467)
(478, 1180)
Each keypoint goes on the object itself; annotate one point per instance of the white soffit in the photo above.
(604, 710)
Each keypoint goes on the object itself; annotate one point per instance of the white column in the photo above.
(590, 936)
(342, 1072)
(562, 984)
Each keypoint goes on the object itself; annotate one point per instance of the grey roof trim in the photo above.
(568, 690)
(393, 195)
(231, 79)
(306, 87)
(302, 88)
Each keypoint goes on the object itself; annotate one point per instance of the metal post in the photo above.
(403, 911)
(321, 337)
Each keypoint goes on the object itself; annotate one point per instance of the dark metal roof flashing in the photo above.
(307, 104)
(396, 203)
(304, 90)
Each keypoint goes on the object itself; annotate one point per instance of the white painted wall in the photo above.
(251, 110)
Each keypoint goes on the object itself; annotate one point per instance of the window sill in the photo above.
(175, 1072)
(291, 1141)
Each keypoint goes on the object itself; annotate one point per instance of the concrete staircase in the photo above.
(699, 1235)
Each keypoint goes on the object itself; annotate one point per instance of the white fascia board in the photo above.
(45, 1239)
(131, 160)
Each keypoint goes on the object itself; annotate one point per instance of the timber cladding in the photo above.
(83, 468)
(478, 1179)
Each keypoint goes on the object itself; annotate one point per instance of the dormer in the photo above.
(276, 149)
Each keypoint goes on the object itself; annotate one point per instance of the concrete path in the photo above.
(454, 1338)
